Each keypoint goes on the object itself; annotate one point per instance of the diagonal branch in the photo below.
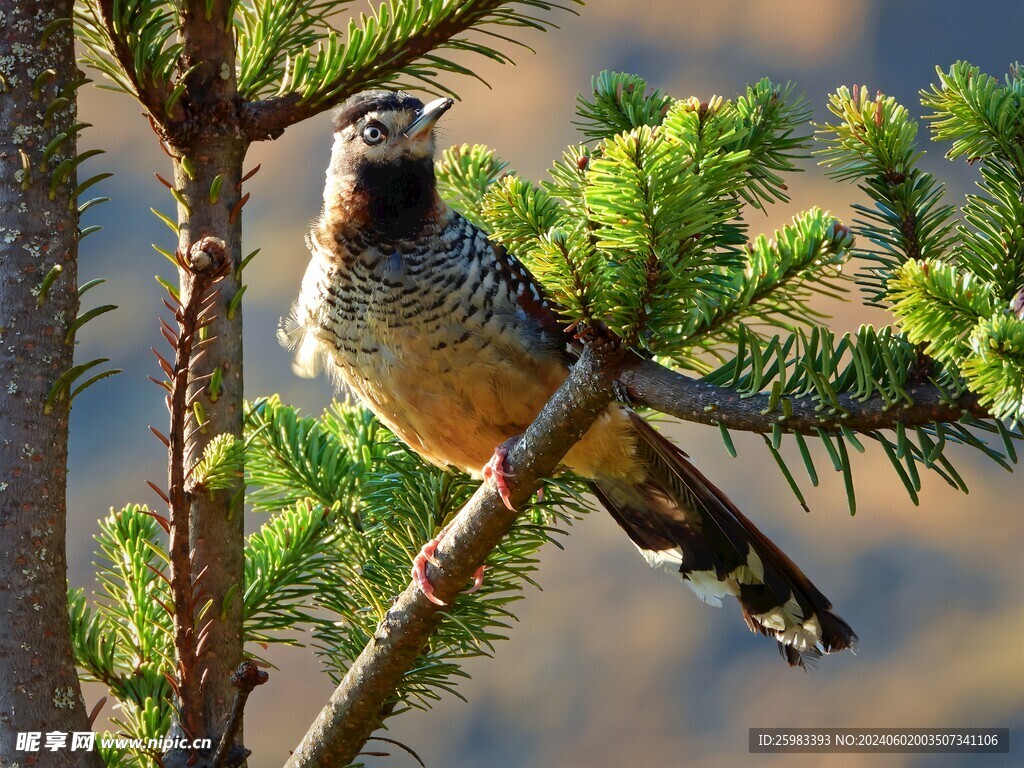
(354, 710)
(386, 53)
(649, 384)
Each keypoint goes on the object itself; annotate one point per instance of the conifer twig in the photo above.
(149, 95)
(268, 118)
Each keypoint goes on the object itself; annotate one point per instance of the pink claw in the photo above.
(478, 579)
(494, 470)
(419, 570)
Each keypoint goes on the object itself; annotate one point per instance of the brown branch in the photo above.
(343, 726)
(179, 498)
(267, 119)
(246, 678)
(649, 384)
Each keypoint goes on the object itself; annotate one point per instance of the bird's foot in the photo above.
(419, 570)
(419, 567)
(478, 579)
(621, 392)
(494, 470)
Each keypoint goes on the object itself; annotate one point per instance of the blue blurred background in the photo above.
(614, 664)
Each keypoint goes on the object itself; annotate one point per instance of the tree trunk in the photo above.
(216, 530)
(209, 145)
(39, 689)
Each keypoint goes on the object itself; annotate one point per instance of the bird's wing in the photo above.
(533, 300)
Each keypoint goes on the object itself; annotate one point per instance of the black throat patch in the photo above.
(399, 196)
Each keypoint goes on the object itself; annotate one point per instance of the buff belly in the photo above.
(459, 420)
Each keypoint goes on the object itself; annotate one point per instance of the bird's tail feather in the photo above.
(680, 520)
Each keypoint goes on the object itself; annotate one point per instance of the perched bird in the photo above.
(450, 341)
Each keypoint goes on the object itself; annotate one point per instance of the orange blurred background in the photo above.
(614, 664)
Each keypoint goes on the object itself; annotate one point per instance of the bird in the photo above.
(451, 342)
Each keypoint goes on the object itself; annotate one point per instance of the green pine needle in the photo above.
(221, 464)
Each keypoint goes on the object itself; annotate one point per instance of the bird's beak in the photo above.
(424, 121)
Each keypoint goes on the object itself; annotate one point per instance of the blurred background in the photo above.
(615, 664)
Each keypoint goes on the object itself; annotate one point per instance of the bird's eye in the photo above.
(373, 134)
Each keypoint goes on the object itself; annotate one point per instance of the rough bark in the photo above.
(216, 534)
(39, 689)
(207, 145)
(671, 393)
(204, 265)
(353, 712)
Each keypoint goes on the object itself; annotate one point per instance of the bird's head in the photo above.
(382, 164)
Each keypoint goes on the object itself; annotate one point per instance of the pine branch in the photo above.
(767, 122)
(619, 102)
(269, 32)
(398, 41)
(221, 464)
(355, 505)
(939, 306)
(980, 115)
(129, 42)
(464, 174)
(992, 237)
(125, 641)
(690, 399)
(772, 286)
(294, 459)
(914, 432)
(405, 503)
(774, 124)
(657, 201)
(94, 647)
(995, 369)
(642, 232)
(875, 143)
(284, 561)
(354, 710)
